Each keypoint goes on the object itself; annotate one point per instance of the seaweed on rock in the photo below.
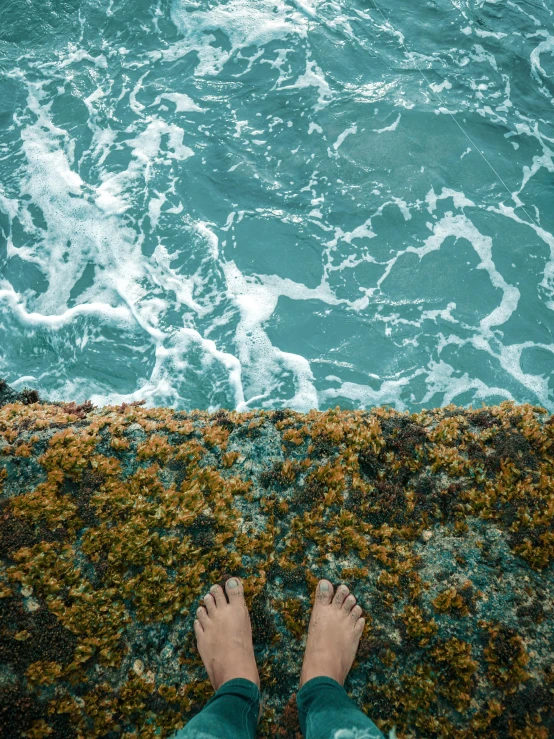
(114, 522)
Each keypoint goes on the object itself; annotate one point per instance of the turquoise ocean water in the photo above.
(268, 203)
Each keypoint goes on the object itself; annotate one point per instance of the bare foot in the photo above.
(224, 635)
(333, 635)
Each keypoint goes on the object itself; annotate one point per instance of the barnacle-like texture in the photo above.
(114, 522)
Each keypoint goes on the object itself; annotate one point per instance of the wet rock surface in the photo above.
(114, 523)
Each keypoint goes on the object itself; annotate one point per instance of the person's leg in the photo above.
(325, 710)
(232, 713)
(224, 637)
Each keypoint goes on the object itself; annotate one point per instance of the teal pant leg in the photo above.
(232, 713)
(326, 712)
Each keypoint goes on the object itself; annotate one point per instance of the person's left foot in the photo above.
(224, 635)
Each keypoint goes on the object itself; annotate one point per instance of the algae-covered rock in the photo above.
(114, 522)
(9, 395)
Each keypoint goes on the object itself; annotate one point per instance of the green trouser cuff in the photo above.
(232, 713)
(326, 712)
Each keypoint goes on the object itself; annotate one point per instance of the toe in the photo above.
(340, 595)
(324, 591)
(202, 616)
(235, 591)
(355, 613)
(209, 602)
(349, 603)
(198, 630)
(359, 627)
(218, 595)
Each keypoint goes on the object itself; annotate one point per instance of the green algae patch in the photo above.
(114, 523)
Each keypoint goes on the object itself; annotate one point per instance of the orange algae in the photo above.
(115, 522)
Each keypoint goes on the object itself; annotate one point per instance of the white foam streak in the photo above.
(76, 231)
(392, 127)
(461, 227)
(546, 46)
(313, 77)
(183, 103)
(458, 198)
(353, 129)
(548, 274)
(263, 362)
(244, 23)
(119, 315)
(442, 381)
(365, 396)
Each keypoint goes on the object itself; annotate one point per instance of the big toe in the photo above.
(324, 592)
(235, 591)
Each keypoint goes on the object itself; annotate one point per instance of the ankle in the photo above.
(321, 669)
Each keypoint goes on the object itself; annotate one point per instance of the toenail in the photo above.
(213, 589)
(324, 587)
(232, 583)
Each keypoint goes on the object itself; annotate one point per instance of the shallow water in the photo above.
(266, 203)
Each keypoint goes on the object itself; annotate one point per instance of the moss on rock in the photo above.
(114, 522)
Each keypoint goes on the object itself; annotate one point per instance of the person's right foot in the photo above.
(224, 635)
(334, 633)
